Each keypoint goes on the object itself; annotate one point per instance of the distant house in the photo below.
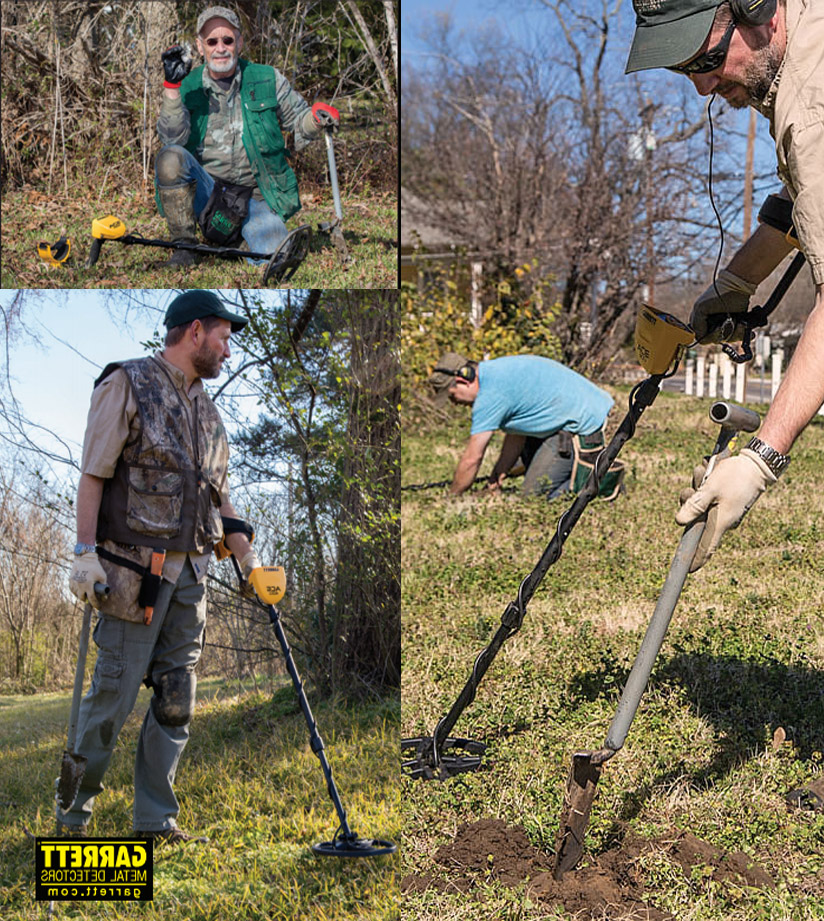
(429, 255)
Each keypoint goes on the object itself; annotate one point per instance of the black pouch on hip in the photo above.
(225, 212)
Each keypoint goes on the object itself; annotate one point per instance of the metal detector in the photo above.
(281, 265)
(660, 341)
(269, 584)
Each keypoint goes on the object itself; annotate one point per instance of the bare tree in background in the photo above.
(548, 153)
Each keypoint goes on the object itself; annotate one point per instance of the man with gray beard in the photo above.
(224, 162)
(768, 54)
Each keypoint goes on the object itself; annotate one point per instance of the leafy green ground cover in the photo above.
(249, 781)
(744, 658)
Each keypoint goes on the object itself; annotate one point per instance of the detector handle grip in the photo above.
(94, 252)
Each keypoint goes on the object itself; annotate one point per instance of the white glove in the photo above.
(249, 563)
(732, 296)
(86, 570)
(727, 495)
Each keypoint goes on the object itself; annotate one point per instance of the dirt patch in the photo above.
(610, 886)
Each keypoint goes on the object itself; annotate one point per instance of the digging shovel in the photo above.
(74, 765)
(586, 766)
(334, 226)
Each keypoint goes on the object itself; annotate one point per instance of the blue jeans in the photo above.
(125, 653)
(263, 230)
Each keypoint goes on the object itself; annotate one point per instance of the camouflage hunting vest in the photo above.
(164, 491)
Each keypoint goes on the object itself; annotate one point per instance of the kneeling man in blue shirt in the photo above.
(536, 402)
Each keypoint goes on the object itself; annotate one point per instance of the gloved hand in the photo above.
(324, 116)
(735, 294)
(248, 563)
(86, 570)
(728, 494)
(177, 62)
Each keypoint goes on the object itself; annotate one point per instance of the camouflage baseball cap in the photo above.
(223, 12)
(669, 32)
(196, 304)
(442, 378)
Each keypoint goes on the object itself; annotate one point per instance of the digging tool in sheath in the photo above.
(73, 766)
(585, 770)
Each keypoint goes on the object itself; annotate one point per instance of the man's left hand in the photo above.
(326, 116)
(727, 495)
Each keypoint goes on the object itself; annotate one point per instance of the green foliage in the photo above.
(517, 321)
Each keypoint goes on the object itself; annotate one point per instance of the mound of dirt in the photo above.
(491, 849)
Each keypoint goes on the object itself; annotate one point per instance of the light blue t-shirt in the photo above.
(530, 395)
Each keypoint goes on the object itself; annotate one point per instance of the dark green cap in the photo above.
(196, 304)
(669, 32)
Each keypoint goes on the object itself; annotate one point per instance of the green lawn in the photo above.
(744, 657)
(249, 781)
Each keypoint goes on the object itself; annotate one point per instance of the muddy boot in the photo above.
(178, 206)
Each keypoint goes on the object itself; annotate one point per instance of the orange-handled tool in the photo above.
(156, 570)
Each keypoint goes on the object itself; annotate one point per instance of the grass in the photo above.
(743, 657)
(249, 781)
(30, 216)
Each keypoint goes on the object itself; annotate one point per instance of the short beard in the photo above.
(206, 363)
(223, 67)
(760, 74)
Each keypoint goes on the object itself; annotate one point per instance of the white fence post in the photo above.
(713, 391)
(740, 383)
(777, 362)
(699, 375)
(688, 377)
(726, 372)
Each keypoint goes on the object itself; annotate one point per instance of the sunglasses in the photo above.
(211, 42)
(711, 59)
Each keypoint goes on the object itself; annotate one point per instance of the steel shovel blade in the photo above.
(580, 792)
(71, 774)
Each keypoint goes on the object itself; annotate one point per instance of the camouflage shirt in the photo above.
(222, 154)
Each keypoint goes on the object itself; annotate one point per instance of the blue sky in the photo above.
(67, 339)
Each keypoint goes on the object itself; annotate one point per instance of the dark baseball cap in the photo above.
(442, 378)
(669, 32)
(196, 304)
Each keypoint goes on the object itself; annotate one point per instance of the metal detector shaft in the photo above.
(315, 740)
(512, 618)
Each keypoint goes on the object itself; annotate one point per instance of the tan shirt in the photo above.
(795, 107)
(113, 420)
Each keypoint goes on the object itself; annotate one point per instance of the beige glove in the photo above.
(728, 494)
(86, 570)
(248, 563)
(732, 296)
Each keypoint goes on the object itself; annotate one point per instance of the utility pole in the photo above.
(748, 176)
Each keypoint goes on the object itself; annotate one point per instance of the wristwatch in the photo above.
(80, 549)
(776, 461)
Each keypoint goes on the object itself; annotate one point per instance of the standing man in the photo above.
(768, 54)
(224, 161)
(538, 403)
(153, 487)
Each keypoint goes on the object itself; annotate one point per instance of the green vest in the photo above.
(262, 137)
